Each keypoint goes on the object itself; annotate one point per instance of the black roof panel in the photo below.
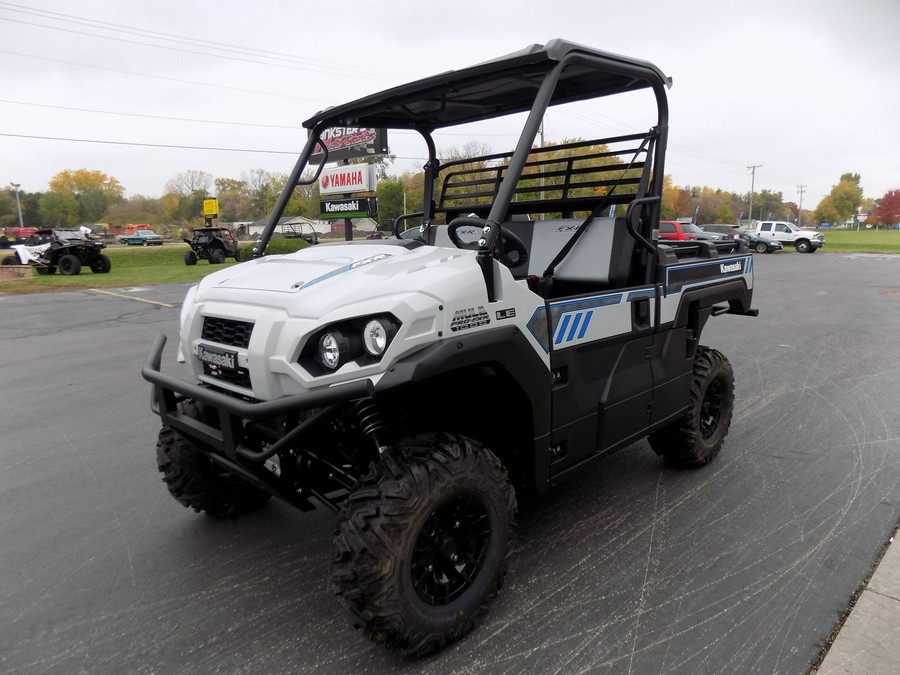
(501, 86)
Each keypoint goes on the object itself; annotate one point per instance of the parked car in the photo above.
(762, 244)
(729, 231)
(141, 238)
(674, 230)
(703, 234)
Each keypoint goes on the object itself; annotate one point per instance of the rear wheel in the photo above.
(761, 248)
(101, 265)
(69, 265)
(197, 482)
(216, 256)
(696, 438)
(190, 258)
(422, 543)
(10, 260)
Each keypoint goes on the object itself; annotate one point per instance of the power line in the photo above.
(154, 117)
(151, 145)
(163, 77)
(318, 64)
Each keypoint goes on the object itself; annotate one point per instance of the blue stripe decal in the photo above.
(575, 323)
(587, 320)
(562, 329)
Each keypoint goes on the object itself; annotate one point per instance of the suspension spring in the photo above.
(371, 421)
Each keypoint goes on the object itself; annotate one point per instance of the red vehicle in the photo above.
(674, 230)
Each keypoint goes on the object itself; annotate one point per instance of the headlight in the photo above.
(363, 340)
(330, 350)
(375, 337)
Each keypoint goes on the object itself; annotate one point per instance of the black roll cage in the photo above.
(530, 80)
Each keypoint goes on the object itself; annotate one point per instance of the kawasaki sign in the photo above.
(360, 207)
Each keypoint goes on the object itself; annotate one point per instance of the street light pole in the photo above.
(16, 187)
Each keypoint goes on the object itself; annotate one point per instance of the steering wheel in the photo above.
(510, 249)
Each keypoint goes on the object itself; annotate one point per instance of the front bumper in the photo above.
(224, 432)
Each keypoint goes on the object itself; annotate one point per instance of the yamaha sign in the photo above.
(347, 179)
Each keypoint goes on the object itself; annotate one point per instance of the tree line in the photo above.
(84, 196)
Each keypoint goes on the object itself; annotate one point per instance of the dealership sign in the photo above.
(358, 207)
(347, 179)
(349, 143)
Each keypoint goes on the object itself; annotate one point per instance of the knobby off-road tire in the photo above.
(216, 256)
(422, 543)
(190, 258)
(10, 260)
(696, 438)
(69, 265)
(197, 482)
(237, 255)
(101, 265)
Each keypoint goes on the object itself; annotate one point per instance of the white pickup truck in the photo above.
(805, 241)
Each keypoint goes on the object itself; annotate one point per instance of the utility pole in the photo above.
(753, 169)
(801, 189)
(16, 187)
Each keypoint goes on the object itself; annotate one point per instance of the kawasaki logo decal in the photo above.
(685, 275)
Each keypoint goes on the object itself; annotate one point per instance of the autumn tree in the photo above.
(234, 200)
(842, 202)
(92, 191)
(390, 201)
(58, 209)
(887, 212)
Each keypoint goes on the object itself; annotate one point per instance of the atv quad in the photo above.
(533, 282)
(66, 250)
(213, 244)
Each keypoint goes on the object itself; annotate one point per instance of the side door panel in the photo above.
(602, 389)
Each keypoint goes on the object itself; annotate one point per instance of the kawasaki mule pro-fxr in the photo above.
(532, 284)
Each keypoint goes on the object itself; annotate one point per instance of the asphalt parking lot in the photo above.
(746, 565)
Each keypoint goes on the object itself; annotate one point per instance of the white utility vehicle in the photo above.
(526, 323)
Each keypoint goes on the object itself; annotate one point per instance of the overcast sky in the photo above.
(807, 89)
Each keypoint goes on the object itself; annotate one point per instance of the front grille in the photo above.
(239, 377)
(227, 331)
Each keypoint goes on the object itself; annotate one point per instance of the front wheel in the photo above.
(761, 248)
(802, 246)
(10, 260)
(101, 265)
(69, 265)
(696, 438)
(190, 258)
(197, 482)
(216, 256)
(422, 543)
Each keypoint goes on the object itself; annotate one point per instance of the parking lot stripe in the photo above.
(130, 297)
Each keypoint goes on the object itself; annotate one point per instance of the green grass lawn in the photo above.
(139, 266)
(862, 241)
